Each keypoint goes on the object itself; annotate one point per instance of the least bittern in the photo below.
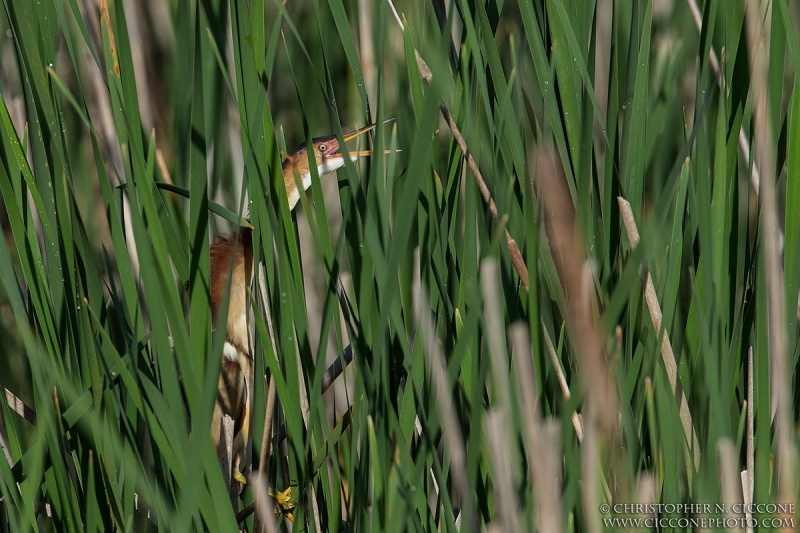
(232, 266)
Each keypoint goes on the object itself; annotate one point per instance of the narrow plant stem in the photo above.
(744, 143)
(590, 497)
(496, 427)
(262, 485)
(646, 490)
(225, 458)
(751, 456)
(542, 438)
(336, 368)
(667, 355)
(747, 476)
(497, 423)
(265, 518)
(444, 405)
(757, 19)
(19, 407)
(577, 423)
(730, 482)
(747, 498)
(305, 408)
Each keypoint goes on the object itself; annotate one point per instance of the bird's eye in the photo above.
(323, 147)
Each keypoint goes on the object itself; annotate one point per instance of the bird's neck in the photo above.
(292, 175)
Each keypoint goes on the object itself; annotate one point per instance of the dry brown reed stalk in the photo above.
(577, 423)
(451, 430)
(225, 459)
(605, 15)
(416, 285)
(266, 436)
(576, 282)
(729, 480)
(26, 412)
(601, 420)
(646, 490)
(513, 249)
(751, 456)
(493, 316)
(138, 48)
(747, 475)
(305, 408)
(758, 15)
(548, 478)
(369, 68)
(748, 500)
(104, 125)
(542, 439)
(497, 423)
(692, 449)
(590, 465)
(265, 517)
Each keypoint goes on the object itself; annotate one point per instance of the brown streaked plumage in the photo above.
(232, 266)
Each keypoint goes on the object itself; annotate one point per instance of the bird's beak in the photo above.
(353, 134)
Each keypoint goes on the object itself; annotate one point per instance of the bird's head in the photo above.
(327, 157)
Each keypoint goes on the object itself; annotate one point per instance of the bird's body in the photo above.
(232, 270)
(232, 266)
